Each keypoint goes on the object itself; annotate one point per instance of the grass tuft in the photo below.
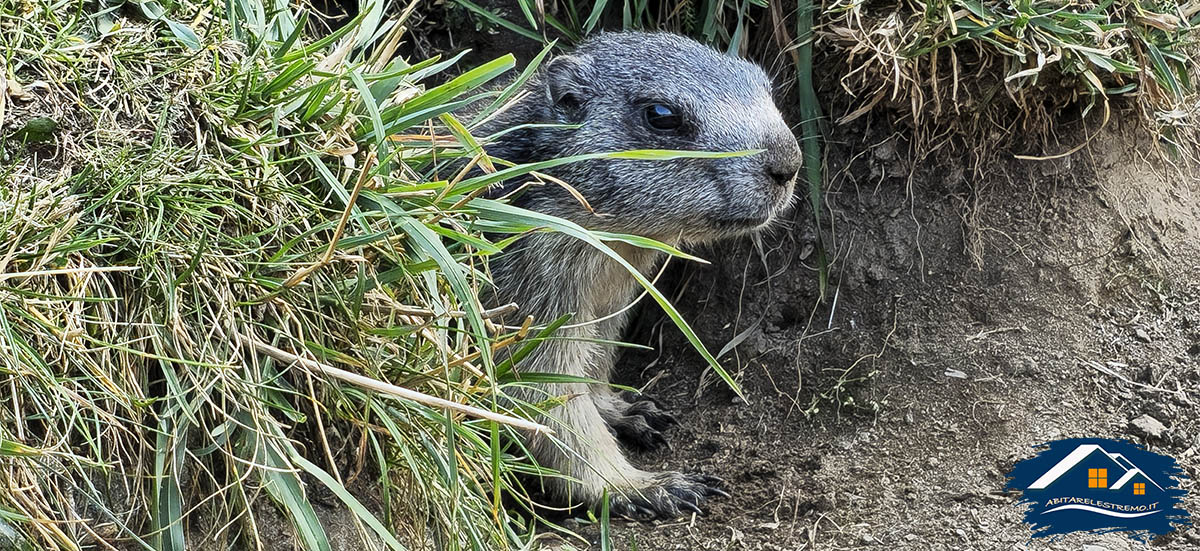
(239, 276)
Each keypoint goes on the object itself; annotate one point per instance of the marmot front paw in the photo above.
(651, 409)
(640, 425)
(670, 494)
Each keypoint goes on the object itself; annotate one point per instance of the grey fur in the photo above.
(604, 86)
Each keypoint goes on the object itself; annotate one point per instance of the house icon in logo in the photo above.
(1100, 485)
(1091, 466)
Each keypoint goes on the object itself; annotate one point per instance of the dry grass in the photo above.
(986, 76)
(192, 204)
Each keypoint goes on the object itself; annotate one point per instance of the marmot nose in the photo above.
(781, 175)
(783, 170)
(783, 160)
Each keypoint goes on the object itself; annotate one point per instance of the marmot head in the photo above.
(635, 90)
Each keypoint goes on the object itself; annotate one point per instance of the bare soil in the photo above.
(969, 317)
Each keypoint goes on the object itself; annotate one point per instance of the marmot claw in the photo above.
(638, 432)
(650, 410)
(640, 425)
(671, 495)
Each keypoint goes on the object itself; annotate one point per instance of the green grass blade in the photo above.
(283, 485)
(481, 11)
(594, 16)
(478, 182)
(351, 502)
(168, 463)
(810, 114)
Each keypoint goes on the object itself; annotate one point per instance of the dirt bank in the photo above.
(971, 316)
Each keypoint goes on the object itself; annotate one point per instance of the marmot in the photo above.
(626, 91)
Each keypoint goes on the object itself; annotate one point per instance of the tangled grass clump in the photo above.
(240, 264)
(998, 72)
(171, 219)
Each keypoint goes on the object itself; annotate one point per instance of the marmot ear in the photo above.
(568, 86)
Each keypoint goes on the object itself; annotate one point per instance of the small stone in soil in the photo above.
(1147, 426)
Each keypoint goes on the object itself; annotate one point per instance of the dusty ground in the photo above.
(968, 313)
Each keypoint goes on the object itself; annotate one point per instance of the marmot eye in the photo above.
(663, 117)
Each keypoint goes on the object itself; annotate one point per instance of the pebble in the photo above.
(1147, 426)
(1141, 335)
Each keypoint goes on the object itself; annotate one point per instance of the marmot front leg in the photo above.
(635, 419)
(590, 457)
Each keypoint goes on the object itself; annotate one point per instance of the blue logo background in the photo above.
(1100, 485)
